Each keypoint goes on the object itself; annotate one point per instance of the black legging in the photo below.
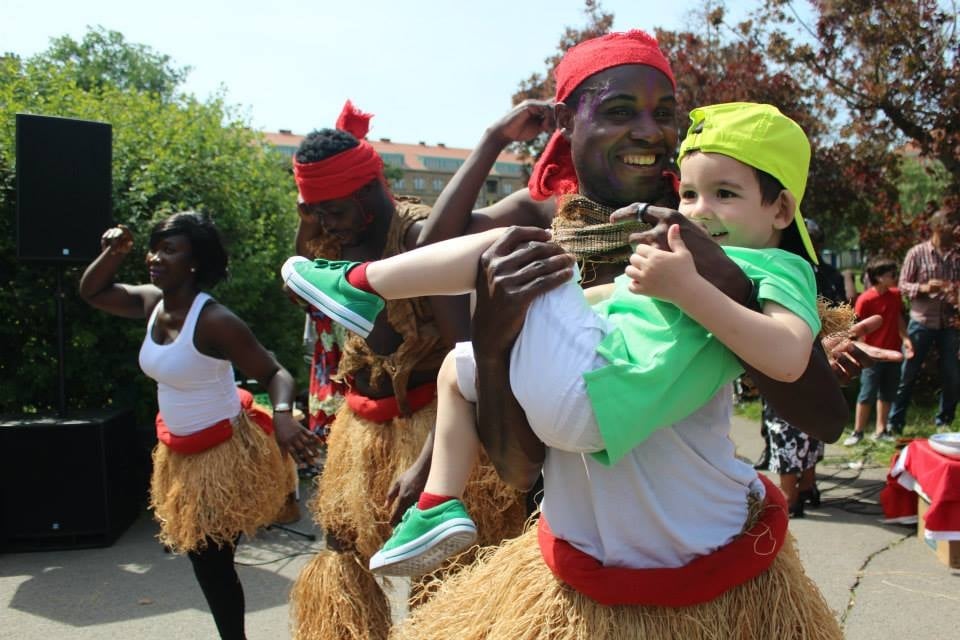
(221, 587)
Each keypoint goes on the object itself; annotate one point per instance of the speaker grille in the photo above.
(63, 188)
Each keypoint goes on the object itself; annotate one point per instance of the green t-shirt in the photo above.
(663, 365)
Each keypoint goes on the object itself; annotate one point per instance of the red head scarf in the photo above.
(341, 174)
(554, 174)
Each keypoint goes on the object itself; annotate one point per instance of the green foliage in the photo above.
(392, 172)
(892, 64)
(921, 182)
(104, 59)
(169, 153)
(850, 178)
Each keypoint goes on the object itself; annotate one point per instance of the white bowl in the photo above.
(947, 444)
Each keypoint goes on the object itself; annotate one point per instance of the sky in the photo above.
(429, 70)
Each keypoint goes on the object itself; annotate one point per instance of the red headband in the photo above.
(342, 174)
(554, 174)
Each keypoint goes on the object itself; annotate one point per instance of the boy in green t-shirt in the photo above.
(657, 344)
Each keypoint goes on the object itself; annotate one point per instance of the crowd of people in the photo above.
(928, 279)
(614, 302)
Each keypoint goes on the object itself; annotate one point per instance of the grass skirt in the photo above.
(232, 488)
(510, 593)
(337, 598)
(363, 460)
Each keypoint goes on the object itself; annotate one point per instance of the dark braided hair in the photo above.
(323, 143)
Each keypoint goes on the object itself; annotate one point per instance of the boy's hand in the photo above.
(711, 261)
(668, 275)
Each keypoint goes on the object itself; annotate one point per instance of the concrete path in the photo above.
(881, 581)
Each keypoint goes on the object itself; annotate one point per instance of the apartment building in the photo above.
(426, 169)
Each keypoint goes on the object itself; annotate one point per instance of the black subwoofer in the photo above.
(68, 482)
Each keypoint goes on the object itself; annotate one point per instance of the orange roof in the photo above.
(413, 154)
(283, 138)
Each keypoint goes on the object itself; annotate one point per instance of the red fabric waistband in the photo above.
(217, 433)
(385, 409)
(701, 580)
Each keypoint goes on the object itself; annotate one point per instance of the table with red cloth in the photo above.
(918, 469)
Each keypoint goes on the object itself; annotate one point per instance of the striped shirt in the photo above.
(922, 264)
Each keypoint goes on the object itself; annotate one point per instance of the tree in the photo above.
(921, 182)
(894, 66)
(720, 62)
(542, 86)
(169, 154)
(105, 59)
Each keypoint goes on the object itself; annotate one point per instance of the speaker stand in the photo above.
(61, 347)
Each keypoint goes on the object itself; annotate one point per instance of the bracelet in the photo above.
(282, 407)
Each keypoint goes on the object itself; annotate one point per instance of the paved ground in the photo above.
(880, 579)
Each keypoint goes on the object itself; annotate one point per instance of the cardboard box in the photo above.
(948, 551)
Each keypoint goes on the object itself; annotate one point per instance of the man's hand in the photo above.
(907, 349)
(517, 268)
(848, 356)
(406, 489)
(525, 121)
(932, 287)
(294, 439)
(711, 262)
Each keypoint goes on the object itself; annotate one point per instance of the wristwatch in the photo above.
(281, 407)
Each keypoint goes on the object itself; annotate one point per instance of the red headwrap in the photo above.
(342, 174)
(554, 174)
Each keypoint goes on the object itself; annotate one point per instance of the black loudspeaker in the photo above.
(67, 482)
(63, 188)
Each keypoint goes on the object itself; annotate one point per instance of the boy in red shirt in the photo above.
(879, 382)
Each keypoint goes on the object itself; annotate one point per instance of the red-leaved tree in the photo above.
(893, 67)
(720, 62)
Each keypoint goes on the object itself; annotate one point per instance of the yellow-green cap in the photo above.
(760, 136)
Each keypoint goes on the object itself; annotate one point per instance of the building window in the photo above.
(438, 184)
(491, 186)
(418, 184)
(507, 188)
(393, 159)
(508, 168)
(441, 164)
(398, 184)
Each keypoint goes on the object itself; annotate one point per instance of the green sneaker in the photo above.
(323, 284)
(424, 539)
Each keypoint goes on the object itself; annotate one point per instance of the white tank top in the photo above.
(194, 391)
(682, 493)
